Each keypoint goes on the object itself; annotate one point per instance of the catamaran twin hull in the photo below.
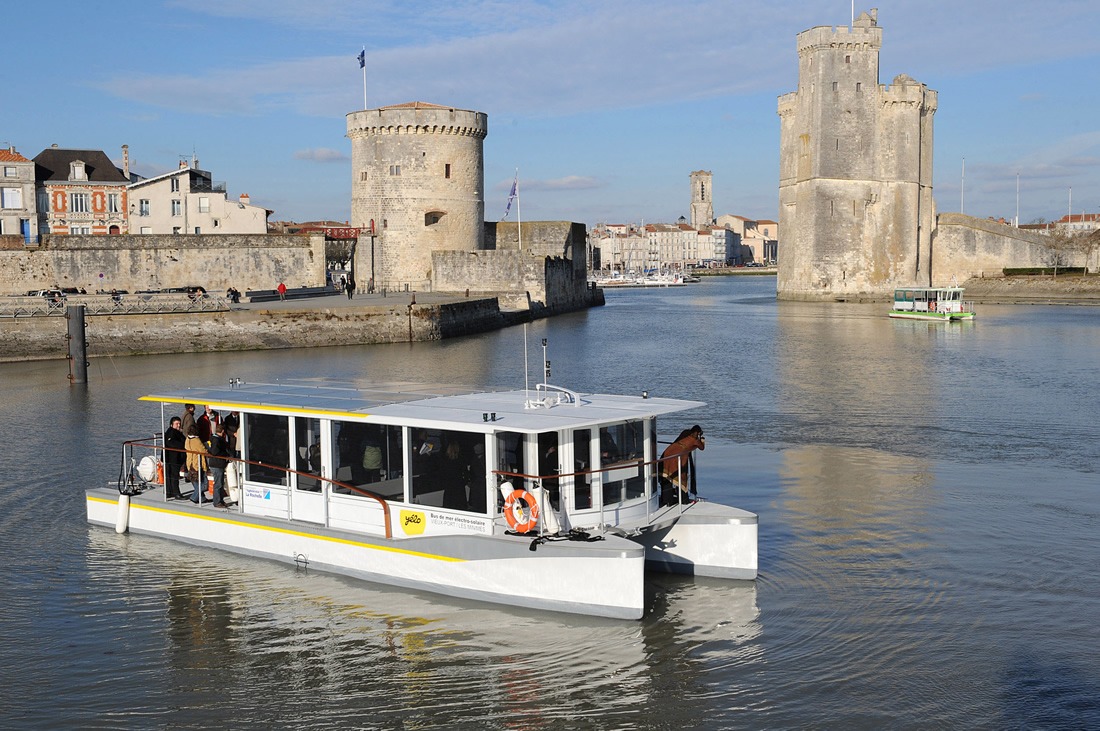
(577, 539)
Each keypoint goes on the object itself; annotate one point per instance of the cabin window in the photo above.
(370, 456)
(448, 469)
(582, 461)
(267, 441)
(622, 446)
(307, 447)
(549, 466)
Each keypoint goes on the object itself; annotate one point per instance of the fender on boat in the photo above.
(122, 521)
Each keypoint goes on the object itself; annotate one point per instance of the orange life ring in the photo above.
(932, 306)
(521, 511)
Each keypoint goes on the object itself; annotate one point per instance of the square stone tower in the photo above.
(855, 171)
(702, 206)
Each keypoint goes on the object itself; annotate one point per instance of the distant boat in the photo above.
(940, 304)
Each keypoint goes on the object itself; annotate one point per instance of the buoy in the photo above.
(122, 521)
(521, 511)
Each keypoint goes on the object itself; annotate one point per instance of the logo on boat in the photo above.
(253, 493)
(412, 522)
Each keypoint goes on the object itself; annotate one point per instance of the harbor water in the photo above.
(929, 502)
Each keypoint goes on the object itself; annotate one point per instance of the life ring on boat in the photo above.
(521, 510)
(932, 306)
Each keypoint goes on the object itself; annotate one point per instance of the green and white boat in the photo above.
(940, 304)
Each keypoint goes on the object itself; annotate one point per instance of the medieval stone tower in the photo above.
(418, 174)
(855, 171)
(702, 207)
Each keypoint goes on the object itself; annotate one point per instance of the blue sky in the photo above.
(604, 107)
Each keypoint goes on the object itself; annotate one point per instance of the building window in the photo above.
(114, 203)
(834, 86)
(80, 230)
(78, 203)
(177, 208)
(11, 197)
(395, 169)
(175, 229)
(859, 87)
(76, 171)
(9, 171)
(433, 217)
(204, 205)
(198, 230)
(363, 176)
(847, 59)
(447, 171)
(143, 207)
(216, 224)
(146, 229)
(175, 185)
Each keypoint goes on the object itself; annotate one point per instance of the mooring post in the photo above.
(78, 344)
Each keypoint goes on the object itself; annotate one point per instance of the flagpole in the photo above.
(519, 215)
(364, 67)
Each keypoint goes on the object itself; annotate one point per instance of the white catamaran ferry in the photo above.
(540, 497)
(942, 304)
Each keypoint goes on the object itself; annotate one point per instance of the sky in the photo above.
(603, 107)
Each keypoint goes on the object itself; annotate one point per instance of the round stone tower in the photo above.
(418, 174)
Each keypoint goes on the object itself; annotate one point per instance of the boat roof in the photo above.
(427, 405)
(928, 289)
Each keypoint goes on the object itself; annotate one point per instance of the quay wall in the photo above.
(43, 338)
(141, 262)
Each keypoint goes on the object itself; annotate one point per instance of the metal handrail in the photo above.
(111, 304)
(131, 443)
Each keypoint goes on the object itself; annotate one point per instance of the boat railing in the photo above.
(129, 482)
(640, 464)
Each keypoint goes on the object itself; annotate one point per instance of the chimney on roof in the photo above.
(54, 145)
(126, 161)
(245, 198)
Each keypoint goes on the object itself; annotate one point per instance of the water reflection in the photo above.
(271, 636)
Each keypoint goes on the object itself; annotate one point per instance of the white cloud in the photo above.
(321, 154)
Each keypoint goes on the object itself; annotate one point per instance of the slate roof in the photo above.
(52, 165)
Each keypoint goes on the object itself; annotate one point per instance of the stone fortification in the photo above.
(855, 190)
(965, 247)
(141, 262)
(544, 269)
(253, 329)
(418, 175)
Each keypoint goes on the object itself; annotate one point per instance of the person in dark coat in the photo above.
(173, 458)
(350, 286)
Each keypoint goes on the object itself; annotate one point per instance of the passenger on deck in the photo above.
(174, 458)
(372, 462)
(453, 473)
(195, 465)
(678, 466)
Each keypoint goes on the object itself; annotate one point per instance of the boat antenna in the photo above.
(526, 378)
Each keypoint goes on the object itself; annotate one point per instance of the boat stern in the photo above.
(708, 539)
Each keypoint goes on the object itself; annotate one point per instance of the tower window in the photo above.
(395, 169)
(847, 59)
(362, 176)
(859, 86)
(447, 171)
(433, 217)
(834, 86)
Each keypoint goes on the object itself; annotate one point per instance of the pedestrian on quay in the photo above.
(281, 289)
(350, 286)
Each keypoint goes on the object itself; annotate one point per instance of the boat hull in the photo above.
(932, 316)
(602, 578)
(708, 539)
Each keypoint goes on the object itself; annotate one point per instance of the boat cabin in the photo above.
(403, 460)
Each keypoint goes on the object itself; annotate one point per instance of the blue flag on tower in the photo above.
(363, 59)
(511, 197)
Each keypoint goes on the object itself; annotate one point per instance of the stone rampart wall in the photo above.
(141, 262)
(964, 247)
(44, 338)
